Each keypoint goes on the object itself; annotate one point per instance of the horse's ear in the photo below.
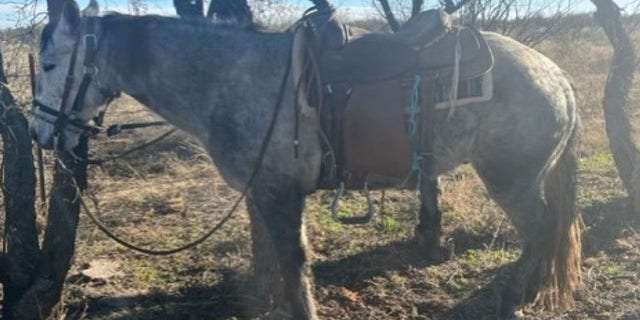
(70, 17)
(92, 10)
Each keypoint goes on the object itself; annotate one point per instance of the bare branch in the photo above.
(388, 13)
(529, 21)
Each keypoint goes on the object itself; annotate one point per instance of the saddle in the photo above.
(379, 56)
(369, 80)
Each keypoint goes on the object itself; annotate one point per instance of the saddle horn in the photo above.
(362, 219)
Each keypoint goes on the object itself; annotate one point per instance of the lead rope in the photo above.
(205, 236)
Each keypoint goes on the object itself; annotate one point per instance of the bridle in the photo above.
(69, 119)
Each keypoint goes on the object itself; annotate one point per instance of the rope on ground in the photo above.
(155, 252)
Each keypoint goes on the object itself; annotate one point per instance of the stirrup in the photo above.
(363, 219)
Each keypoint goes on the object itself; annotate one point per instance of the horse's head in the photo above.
(68, 91)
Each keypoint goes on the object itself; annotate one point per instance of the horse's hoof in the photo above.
(439, 254)
(508, 303)
(431, 248)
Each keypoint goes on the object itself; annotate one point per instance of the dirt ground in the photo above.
(167, 196)
(171, 193)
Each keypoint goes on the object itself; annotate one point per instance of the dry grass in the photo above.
(167, 195)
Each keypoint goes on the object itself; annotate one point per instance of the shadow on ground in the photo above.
(234, 296)
(605, 222)
(352, 271)
(482, 303)
(229, 298)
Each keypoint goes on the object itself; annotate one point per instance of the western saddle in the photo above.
(380, 92)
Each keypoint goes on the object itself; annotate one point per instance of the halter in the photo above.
(64, 118)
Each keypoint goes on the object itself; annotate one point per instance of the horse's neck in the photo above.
(183, 74)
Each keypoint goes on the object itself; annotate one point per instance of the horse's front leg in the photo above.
(281, 211)
(429, 228)
(266, 270)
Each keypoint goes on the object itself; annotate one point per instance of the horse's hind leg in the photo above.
(281, 209)
(429, 228)
(549, 266)
(531, 219)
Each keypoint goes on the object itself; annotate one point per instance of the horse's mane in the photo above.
(114, 20)
(132, 51)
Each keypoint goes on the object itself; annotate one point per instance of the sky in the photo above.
(352, 8)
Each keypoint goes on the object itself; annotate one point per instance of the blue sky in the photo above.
(8, 8)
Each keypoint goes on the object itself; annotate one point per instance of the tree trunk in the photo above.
(321, 4)
(416, 7)
(19, 262)
(33, 279)
(388, 13)
(451, 6)
(236, 12)
(189, 8)
(616, 99)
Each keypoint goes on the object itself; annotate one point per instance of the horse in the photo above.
(216, 82)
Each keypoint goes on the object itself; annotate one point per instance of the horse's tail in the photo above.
(560, 273)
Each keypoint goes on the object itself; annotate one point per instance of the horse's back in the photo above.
(531, 117)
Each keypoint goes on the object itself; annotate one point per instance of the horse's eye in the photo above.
(48, 67)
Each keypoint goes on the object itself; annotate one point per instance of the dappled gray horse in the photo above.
(220, 84)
